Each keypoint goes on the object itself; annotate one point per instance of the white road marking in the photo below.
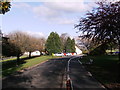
(68, 69)
(79, 62)
(71, 84)
(89, 74)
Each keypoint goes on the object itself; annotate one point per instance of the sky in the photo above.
(40, 18)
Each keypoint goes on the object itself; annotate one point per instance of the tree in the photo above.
(4, 6)
(102, 24)
(70, 45)
(30, 44)
(26, 42)
(34, 44)
(63, 38)
(40, 44)
(53, 43)
(19, 40)
(7, 49)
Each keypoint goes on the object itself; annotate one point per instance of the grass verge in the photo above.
(104, 69)
(10, 67)
(22, 57)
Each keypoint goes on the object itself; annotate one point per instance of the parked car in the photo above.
(68, 54)
(58, 54)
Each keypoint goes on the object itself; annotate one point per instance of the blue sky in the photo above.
(41, 18)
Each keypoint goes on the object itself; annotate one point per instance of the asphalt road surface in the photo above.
(53, 74)
(80, 78)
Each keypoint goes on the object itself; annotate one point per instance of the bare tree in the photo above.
(26, 42)
(63, 38)
(40, 44)
(19, 40)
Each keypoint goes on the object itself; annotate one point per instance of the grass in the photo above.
(13, 59)
(10, 67)
(114, 50)
(104, 68)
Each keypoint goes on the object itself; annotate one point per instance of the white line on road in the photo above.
(68, 70)
(79, 62)
(89, 74)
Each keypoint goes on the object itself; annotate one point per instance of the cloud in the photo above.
(66, 21)
(59, 12)
(55, 11)
(67, 7)
(58, 8)
(35, 34)
(45, 11)
(21, 5)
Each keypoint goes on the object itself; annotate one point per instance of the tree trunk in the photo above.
(119, 51)
(18, 59)
(111, 49)
(119, 62)
(29, 54)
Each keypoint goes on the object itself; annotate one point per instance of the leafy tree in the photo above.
(100, 50)
(53, 43)
(70, 45)
(102, 24)
(4, 6)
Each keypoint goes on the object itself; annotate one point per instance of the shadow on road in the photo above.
(46, 75)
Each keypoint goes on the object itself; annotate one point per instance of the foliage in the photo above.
(102, 24)
(7, 49)
(100, 50)
(73, 45)
(4, 6)
(53, 43)
(70, 45)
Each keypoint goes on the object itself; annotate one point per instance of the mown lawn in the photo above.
(104, 69)
(9, 67)
(22, 57)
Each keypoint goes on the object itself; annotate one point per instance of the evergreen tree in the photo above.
(72, 45)
(68, 45)
(53, 43)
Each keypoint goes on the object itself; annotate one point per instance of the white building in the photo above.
(78, 51)
(35, 53)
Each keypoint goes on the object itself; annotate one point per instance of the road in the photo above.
(80, 78)
(53, 74)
